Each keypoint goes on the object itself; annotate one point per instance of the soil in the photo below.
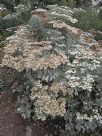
(12, 124)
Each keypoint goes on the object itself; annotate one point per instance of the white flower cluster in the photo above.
(20, 53)
(62, 12)
(84, 82)
(44, 102)
(91, 118)
(80, 72)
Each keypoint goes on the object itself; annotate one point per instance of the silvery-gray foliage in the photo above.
(64, 75)
(36, 23)
(24, 107)
(83, 116)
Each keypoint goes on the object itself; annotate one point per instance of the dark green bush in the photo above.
(4, 34)
(100, 14)
(12, 20)
(88, 20)
(70, 3)
(8, 4)
(97, 35)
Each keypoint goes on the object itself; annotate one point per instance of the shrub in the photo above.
(100, 14)
(70, 3)
(88, 20)
(5, 34)
(63, 74)
(8, 4)
(11, 20)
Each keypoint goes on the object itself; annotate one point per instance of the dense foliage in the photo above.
(61, 70)
(42, 3)
(61, 65)
(90, 19)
